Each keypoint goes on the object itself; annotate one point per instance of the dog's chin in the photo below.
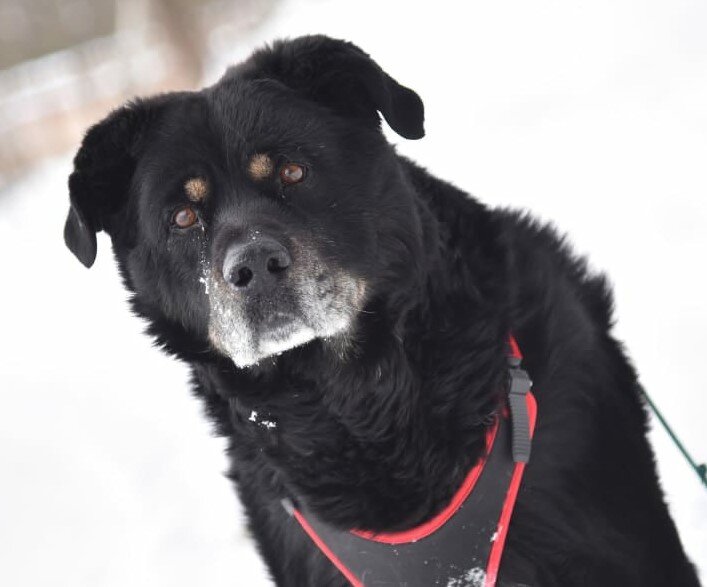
(249, 345)
(278, 340)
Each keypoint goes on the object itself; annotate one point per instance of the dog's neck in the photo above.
(382, 438)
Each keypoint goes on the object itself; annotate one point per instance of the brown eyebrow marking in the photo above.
(196, 188)
(260, 166)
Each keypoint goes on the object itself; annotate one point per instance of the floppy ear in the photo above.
(103, 169)
(341, 76)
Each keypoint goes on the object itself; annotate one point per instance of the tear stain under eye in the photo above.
(204, 280)
(204, 263)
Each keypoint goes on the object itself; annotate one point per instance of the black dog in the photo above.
(345, 316)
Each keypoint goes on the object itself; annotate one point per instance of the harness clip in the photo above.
(519, 385)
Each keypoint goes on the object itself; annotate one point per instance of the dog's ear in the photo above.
(103, 169)
(341, 76)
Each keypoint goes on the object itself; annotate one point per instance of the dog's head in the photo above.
(260, 213)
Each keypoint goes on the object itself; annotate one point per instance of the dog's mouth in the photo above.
(250, 329)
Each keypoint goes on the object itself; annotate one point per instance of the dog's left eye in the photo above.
(185, 217)
(292, 173)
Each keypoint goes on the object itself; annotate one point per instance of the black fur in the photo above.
(379, 434)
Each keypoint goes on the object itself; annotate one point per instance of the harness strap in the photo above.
(463, 544)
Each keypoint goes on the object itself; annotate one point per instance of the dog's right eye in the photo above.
(292, 173)
(185, 217)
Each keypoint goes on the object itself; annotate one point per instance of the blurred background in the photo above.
(590, 115)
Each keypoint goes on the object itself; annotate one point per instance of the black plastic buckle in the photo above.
(519, 385)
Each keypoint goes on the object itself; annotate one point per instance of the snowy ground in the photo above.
(592, 116)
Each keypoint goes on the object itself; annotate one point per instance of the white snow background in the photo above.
(591, 115)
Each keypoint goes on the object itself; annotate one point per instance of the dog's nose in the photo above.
(255, 264)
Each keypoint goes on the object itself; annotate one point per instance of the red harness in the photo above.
(463, 544)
